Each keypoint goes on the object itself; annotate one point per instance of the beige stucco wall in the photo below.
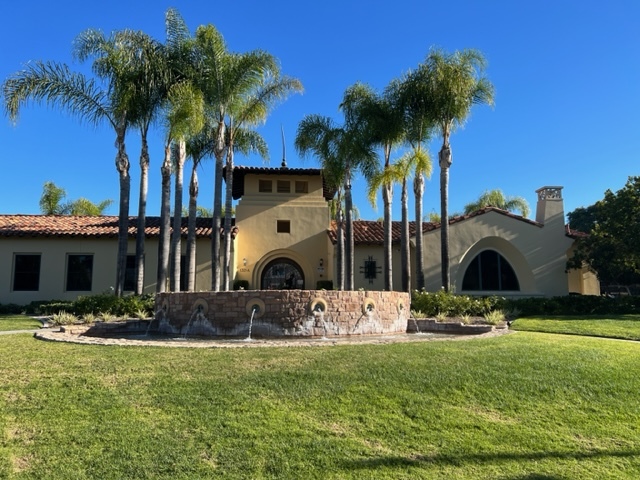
(258, 241)
(583, 280)
(536, 253)
(53, 265)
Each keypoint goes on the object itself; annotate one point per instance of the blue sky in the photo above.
(566, 74)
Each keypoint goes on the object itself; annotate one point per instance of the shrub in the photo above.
(241, 284)
(10, 308)
(324, 285)
(64, 318)
(453, 305)
(494, 317)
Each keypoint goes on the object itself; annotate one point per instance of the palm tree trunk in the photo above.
(444, 157)
(165, 222)
(340, 246)
(176, 235)
(387, 197)
(404, 239)
(216, 226)
(191, 229)
(227, 221)
(418, 190)
(349, 244)
(217, 209)
(142, 214)
(122, 165)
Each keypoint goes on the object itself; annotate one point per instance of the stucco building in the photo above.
(285, 239)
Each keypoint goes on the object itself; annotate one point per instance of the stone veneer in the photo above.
(282, 313)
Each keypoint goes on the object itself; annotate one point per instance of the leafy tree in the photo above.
(582, 219)
(451, 85)
(495, 198)
(612, 249)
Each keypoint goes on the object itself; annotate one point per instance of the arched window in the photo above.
(282, 273)
(490, 271)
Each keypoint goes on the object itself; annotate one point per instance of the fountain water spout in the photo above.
(254, 309)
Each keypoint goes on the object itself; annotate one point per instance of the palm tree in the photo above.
(258, 85)
(495, 198)
(453, 83)
(184, 118)
(51, 199)
(384, 123)
(419, 128)
(198, 147)
(355, 151)
(319, 136)
(55, 84)
(212, 57)
(146, 85)
(404, 168)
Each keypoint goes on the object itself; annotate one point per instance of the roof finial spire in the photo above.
(284, 150)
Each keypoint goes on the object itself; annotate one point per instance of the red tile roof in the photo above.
(84, 226)
(366, 232)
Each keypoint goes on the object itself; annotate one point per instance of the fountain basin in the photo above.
(282, 313)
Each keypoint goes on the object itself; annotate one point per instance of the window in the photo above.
(284, 186)
(26, 272)
(490, 271)
(265, 186)
(302, 187)
(79, 273)
(370, 269)
(130, 278)
(283, 226)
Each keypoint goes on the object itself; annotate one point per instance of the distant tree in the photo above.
(51, 203)
(612, 249)
(51, 200)
(495, 198)
(82, 206)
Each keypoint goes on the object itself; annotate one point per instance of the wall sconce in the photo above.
(244, 261)
(321, 262)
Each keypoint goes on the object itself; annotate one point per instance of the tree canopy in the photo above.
(495, 198)
(52, 203)
(611, 249)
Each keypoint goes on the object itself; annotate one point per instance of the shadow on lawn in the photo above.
(460, 460)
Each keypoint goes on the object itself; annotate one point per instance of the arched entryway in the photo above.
(282, 273)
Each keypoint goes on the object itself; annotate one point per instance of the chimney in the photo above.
(550, 206)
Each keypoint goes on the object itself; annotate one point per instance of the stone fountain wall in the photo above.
(282, 313)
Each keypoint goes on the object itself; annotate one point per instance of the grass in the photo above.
(520, 406)
(18, 322)
(625, 327)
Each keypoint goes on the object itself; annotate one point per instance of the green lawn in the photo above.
(18, 322)
(613, 326)
(519, 406)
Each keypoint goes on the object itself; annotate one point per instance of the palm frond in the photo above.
(55, 84)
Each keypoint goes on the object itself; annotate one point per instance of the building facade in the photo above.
(285, 239)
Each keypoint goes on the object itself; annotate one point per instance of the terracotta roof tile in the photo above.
(366, 232)
(84, 226)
